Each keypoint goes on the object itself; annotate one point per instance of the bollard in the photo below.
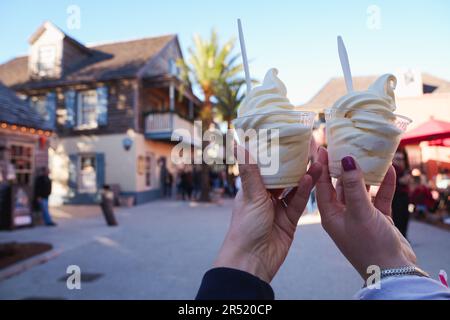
(107, 205)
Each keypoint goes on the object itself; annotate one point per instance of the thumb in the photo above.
(356, 197)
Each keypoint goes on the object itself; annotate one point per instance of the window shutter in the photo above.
(73, 169)
(100, 169)
(102, 106)
(69, 98)
(51, 109)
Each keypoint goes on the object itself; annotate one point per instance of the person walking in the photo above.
(42, 191)
(400, 202)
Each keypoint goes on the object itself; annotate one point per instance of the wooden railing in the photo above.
(159, 122)
(167, 122)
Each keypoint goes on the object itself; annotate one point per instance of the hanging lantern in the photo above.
(42, 142)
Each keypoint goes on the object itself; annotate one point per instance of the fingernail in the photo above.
(348, 163)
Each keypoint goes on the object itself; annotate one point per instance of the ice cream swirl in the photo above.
(363, 124)
(267, 107)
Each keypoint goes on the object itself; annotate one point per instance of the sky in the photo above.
(296, 37)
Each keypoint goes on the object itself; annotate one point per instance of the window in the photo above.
(148, 170)
(46, 59)
(87, 110)
(87, 177)
(39, 103)
(45, 105)
(21, 157)
(173, 68)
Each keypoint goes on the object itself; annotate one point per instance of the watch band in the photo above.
(403, 271)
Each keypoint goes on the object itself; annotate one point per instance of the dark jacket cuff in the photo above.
(232, 284)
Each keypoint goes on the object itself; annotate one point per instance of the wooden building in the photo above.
(113, 108)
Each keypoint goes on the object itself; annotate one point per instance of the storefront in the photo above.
(23, 149)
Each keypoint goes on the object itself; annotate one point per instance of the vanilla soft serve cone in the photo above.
(267, 107)
(363, 125)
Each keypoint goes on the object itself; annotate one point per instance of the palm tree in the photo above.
(229, 96)
(208, 65)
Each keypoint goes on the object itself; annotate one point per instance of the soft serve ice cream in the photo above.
(267, 107)
(363, 125)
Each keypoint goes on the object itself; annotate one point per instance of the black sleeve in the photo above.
(38, 187)
(231, 284)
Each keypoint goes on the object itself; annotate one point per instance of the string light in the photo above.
(14, 127)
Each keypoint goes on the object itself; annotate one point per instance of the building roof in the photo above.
(335, 88)
(107, 61)
(16, 111)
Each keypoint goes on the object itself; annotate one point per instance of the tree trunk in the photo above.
(206, 116)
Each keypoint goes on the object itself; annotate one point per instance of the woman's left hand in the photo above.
(262, 227)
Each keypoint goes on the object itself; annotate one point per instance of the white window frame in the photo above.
(79, 104)
(79, 175)
(49, 67)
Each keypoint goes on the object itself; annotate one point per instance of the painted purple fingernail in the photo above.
(348, 163)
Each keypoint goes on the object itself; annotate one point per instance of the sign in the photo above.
(409, 83)
(21, 206)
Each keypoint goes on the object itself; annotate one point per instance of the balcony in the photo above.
(161, 126)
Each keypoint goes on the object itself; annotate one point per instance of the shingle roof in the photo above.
(335, 88)
(16, 111)
(108, 61)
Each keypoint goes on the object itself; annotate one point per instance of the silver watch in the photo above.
(403, 271)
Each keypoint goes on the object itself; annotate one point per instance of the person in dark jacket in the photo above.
(262, 229)
(42, 190)
(400, 202)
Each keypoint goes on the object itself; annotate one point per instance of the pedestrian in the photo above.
(262, 230)
(165, 178)
(186, 185)
(42, 191)
(400, 203)
(196, 182)
(421, 197)
(168, 185)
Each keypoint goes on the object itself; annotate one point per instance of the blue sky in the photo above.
(297, 37)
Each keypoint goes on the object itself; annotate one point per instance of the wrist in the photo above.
(243, 261)
(389, 264)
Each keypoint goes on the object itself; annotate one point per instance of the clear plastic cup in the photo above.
(373, 151)
(279, 143)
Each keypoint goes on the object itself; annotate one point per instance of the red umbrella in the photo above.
(431, 130)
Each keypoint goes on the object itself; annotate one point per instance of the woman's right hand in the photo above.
(362, 230)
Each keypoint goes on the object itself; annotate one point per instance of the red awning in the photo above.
(431, 130)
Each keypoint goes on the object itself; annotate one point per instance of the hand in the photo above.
(364, 232)
(262, 229)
